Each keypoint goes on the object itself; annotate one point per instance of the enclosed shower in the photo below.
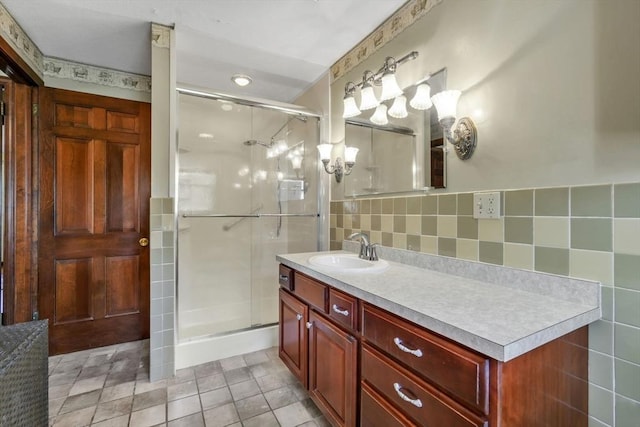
(247, 189)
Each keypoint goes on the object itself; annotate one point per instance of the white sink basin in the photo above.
(348, 263)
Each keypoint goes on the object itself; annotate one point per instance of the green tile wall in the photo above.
(564, 230)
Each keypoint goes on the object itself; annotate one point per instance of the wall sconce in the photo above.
(463, 137)
(338, 169)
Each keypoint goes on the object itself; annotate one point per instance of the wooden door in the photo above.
(93, 267)
(293, 345)
(333, 381)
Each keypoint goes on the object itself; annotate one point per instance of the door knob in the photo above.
(144, 242)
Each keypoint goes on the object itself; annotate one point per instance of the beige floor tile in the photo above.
(183, 407)
(149, 417)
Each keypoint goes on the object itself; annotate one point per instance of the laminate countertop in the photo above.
(498, 311)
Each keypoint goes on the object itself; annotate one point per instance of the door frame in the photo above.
(20, 187)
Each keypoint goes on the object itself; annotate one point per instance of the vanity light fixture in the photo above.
(241, 79)
(390, 88)
(463, 137)
(350, 107)
(338, 168)
(385, 76)
(368, 98)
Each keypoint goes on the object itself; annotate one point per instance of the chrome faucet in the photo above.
(367, 250)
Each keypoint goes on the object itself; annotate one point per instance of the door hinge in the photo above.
(34, 109)
(35, 316)
(3, 110)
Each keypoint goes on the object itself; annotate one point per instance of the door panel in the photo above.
(73, 296)
(94, 208)
(74, 186)
(121, 285)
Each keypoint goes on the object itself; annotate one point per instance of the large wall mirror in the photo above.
(406, 155)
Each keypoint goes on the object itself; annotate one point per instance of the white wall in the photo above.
(553, 87)
(317, 98)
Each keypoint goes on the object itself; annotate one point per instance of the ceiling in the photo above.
(284, 45)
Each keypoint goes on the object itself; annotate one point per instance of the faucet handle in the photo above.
(373, 255)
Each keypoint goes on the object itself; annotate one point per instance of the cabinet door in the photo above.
(293, 339)
(333, 356)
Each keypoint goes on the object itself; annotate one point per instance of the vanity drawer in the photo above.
(375, 411)
(420, 401)
(459, 371)
(343, 309)
(311, 291)
(285, 277)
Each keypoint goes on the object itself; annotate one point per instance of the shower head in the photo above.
(251, 142)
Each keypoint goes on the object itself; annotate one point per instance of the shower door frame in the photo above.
(293, 111)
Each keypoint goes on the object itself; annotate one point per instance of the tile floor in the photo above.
(109, 387)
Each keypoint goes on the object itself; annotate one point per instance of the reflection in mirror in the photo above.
(405, 155)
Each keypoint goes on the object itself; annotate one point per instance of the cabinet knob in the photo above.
(415, 402)
(398, 342)
(309, 325)
(284, 278)
(299, 316)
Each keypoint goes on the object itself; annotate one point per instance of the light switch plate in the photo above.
(486, 205)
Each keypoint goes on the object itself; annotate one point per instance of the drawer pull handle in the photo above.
(415, 402)
(284, 278)
(299, 317)
(339, 311)
(398, 342)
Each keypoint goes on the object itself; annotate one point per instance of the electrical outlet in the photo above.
(486, 205)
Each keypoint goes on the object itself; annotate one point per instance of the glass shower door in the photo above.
(242, 199)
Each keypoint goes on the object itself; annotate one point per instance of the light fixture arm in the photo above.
(463, 137)
(339, 169)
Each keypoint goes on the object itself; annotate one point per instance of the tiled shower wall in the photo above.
(590, 232)
(161, 343)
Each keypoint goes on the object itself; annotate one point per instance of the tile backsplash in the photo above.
(589, 232)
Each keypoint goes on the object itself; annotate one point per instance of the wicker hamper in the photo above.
(24, 394)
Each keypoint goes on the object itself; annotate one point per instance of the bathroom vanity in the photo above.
(420, 345)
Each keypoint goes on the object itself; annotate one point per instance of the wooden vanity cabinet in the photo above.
(376, 369)
(319, 351)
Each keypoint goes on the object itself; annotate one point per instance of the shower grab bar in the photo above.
(243, 216)
(228, 227)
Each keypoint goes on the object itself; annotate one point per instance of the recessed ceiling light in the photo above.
(241, 79)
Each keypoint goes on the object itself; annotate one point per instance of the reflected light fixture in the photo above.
(464, 136)
(296, 162)
(422, 99)
(399, 108)
(241, 79)
(380, 116)
(338, 168)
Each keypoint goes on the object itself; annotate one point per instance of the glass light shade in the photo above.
(446, 103)
(325, 151)
(350, 154)
(399, 108)
(296, 162)
(390, 88)
(380, 116)
(350, 107)
(281, 146)
(368, 98)
(422, 99)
